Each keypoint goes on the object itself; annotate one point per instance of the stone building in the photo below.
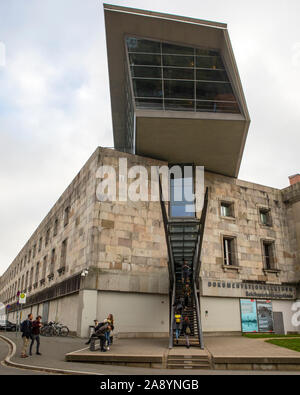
(176, 99)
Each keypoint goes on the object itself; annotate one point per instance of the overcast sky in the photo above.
(55, 106)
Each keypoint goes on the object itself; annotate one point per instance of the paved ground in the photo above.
(11, 371)
(54, 350)
(241, 346)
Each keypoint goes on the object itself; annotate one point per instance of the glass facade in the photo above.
(173, 77)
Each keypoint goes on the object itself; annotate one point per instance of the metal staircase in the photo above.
(184, 241)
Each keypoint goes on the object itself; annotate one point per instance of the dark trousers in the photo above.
(37, 339)
(102, 340)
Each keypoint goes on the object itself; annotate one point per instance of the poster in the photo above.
(249, 315)
(265, 316)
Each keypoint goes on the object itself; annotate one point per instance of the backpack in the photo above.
(177, 318)
(23, 327)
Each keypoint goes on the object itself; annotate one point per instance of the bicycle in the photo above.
(54, 329)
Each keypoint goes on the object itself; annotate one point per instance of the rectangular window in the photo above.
(34, 251)
(44, 267)
(55, 227)
(265, 216)
(67, 215)
(47, 237)
(269, 255)
(63, 253)
(227, 209)
(40, 244)
(229, 251)
(31, 277)
(52, 263)
(37, 272)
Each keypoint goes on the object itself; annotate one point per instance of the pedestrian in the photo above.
(185, 272)
(177, 324)
(187, 294)
(178, 306)
(26, 329)
(186, 330)
(110, 320)
(36, 330)
(96, 323)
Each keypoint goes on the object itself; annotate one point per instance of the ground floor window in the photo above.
(256, 315)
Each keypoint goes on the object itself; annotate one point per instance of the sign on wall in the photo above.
(249, 315)
(265, 316)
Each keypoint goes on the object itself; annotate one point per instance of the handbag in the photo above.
(188, 330)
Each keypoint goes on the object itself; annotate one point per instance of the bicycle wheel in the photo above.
(64, 331)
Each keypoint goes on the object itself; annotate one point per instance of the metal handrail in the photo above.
(200, 333)
(172, 315)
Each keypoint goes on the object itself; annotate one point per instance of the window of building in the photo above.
(66, 216)
(34, 251)
(174, 77)
(265, 216)
(37, 272)
(268, 254)
(55, 230)
(40, 243)
(229, 251)
(52, 262)
(63, 253)
(31, 277)
(227, 209)
(29, 255)
(44, 267)
(47, 237)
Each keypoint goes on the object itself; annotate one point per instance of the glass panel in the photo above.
(145, 59)
(215, 91)
(146, 72)
(147, 88)
(156, 104)
(178, 74)
(179, 89)
(209, 62)
(181, 197)
(206, 52)
(211, 106)
(177, 49)
(187, 105)
(211, 75)
(140, 45)
(178, 61)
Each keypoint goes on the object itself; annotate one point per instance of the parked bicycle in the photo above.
(54, 329)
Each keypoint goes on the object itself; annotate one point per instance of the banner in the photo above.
(265, 316)
(249, 315)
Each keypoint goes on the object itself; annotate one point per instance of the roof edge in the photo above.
(161, 15)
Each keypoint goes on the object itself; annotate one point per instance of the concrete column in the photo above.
(87, 311)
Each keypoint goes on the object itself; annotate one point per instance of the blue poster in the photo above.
(249, 315)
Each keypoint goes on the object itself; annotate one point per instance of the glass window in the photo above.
(211, 75)
(186, 105)
(268, 249)
(229, 251)
(147, 88)
(176, 49)
(179, 89)
(178, 74)
(209, 62)
(145, 59)
(215, 91)
(156, 104)
(265, 217)
(227, 209)
(181, 196)
(145, 72)
(140, 45)
(178, 61)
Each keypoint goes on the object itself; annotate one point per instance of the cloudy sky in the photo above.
(55, 106)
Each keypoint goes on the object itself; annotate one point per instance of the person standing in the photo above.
(185, 272)
(26, 329)
(186, 330)
(187, 293)
(36, 330)
(110, 320)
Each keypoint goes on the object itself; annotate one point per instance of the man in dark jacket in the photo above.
(26, 329)
(100, 331)
(36, 330)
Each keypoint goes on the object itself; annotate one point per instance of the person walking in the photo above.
(26, 329)
(186, 330)
(36, 330)
(187, 293)
(177, 324)
(185, 272)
